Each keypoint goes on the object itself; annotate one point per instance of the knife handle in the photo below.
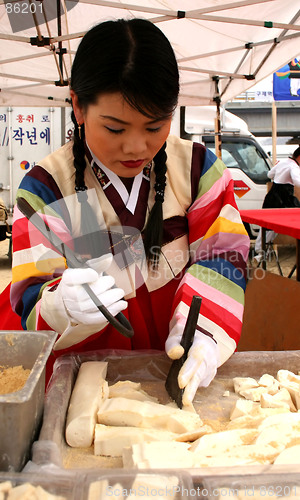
(190, 326)
(120, 322)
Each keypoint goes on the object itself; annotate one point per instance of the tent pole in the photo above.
(218, 144)
(63, 125)
(274, 132)
(60, 51)
(59, 34)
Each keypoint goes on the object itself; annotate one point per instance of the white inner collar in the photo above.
(129, 200)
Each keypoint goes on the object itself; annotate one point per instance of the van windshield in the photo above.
(243, 154)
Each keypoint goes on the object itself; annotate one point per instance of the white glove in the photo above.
(201, 365)
(69, 310)
(80, 307)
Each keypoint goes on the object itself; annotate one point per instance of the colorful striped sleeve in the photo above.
(219, 247)
(36, 263)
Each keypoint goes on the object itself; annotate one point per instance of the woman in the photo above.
(154, 212)
(284, 175)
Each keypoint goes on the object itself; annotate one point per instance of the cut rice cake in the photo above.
(158, 455)
(279, 436)
(291, 382)
(251, 454)
(242, 407)
(85, 400)
(130, 390)
(124, 385)
(243, 383)
(24, 490)
(287, 418)
(279, 400)
(166, 487)
(267, 380)
(254, 393)
(245, 422)
(219, 442)
(287, 375)
(270, 383)
(193, 435)
(290, 455)
(255, 418)
(5, 486)
(99, 490)
(268, 401)
(110, 440)
(27, 491)
(42, 494)
(123, 412)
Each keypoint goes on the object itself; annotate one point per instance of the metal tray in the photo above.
(21, 411)
(150, 368)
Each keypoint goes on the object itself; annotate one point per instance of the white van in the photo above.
(241, 152)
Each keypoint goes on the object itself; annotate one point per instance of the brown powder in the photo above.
(249, 438)
(216, 425)
(12, 379)
(84, 458)
(10, 339)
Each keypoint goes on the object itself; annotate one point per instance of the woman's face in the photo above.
(122, 138)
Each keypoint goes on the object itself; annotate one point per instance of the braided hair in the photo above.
(153, 233)
(132, 57)
(79, 154)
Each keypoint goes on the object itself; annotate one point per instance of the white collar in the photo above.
(129, 200)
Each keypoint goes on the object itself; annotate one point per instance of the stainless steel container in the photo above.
(21, 411)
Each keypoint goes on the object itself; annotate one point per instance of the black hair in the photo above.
(132, 57)
(296, 153)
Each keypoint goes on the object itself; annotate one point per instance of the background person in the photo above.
(128, 172)
(285, 175)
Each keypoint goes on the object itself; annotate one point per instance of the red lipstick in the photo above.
(132, 163)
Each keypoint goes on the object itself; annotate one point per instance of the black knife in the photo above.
(119, 322)
(171, 385)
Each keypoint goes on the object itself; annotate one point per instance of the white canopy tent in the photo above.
(223, 47)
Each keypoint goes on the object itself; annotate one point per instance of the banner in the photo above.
(286, 82)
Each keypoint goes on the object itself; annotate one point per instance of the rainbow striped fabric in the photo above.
(199, 197)
(219, 247)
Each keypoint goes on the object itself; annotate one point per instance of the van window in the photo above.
(245, 155)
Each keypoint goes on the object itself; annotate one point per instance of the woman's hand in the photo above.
(70, 311)
(200, 367)
(79, 306)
